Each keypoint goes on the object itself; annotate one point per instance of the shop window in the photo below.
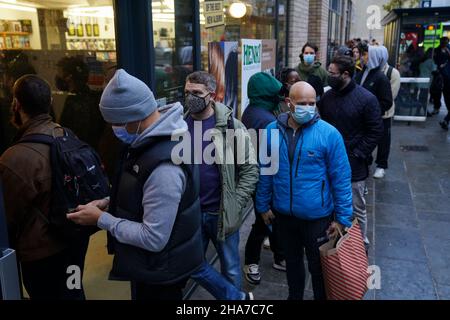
(173, 47)
(72, 46)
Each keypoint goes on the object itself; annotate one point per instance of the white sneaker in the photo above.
(266, 243)
(252, 274)
(379, 173)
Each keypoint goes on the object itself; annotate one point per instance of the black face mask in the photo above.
(194, 103)
(336, 82)
(61, 84)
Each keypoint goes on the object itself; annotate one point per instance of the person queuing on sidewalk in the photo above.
(373, 79)
(384, 146)
(442, 60)
(154, 212)
(355, 112)
(26, 174)
(225, 186)
(309, 69)
(287, 77)
(313, 183)
(263, 91)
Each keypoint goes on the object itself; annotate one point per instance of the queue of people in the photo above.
(170, 198)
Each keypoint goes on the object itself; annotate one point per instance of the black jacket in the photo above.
(355, 112)
(377, 83)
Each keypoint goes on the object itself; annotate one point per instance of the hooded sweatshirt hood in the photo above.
(384, 57)
(376, 60)
(264, 91)
(170, 123)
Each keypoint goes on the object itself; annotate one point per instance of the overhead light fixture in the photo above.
(237, 10)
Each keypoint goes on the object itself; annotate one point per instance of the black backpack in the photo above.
(77, 179)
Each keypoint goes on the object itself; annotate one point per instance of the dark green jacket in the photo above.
(315, 69)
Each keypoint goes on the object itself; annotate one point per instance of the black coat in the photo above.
(379, 84)
(355, 112)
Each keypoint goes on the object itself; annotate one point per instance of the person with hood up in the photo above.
(309, 67)
(311, 193)
(373, 79)
(263, 91)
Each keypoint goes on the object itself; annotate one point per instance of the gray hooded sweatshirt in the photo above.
(376, 59)
(162, 192)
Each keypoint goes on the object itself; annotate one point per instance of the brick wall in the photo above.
(318, 26)
(298, 28)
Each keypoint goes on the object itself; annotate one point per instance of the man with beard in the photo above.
(225, 188)
(356, 113)
(26, 173)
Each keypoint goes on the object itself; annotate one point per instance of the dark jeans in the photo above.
(256, 238)
(384, 145)
(159, 292)
(46, 279)
(297, 236)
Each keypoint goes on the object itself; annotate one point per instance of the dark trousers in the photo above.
(46, 279)
(159, 292)
(256, 238)
(384, 145)
(298, 236)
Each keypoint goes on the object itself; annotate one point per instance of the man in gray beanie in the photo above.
(154, 211)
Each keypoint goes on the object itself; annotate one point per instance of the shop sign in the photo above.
(251, 64)
(213, 12)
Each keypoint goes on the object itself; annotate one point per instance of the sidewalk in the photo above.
(409, 222)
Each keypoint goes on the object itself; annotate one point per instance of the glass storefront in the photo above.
(413, 36)
(334, 27)
(70, 44)
(173, 47)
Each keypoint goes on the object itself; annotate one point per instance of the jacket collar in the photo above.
(347, 89)
(32, 125)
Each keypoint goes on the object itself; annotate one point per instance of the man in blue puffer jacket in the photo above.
(311, 188)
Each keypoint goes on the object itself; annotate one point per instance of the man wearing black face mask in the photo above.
(355, 112)
(225, 187)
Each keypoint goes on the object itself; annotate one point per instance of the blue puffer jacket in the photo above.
(316, 182)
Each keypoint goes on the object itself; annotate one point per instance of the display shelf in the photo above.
(11, 33)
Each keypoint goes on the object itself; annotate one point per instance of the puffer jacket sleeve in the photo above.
(264, 187)
(340, 176)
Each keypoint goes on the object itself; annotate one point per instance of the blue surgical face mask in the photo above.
(303, 114)
(309, 58)
(123, 135)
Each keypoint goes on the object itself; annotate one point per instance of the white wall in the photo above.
(359, 28)
(11, 14)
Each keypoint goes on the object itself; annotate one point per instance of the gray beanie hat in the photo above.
(126, 99)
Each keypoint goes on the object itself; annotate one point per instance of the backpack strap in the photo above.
(389, 73)
(37, 138)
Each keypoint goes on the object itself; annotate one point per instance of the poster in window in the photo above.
(223, 64)
(251, 64)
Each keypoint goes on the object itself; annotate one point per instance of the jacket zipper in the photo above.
(299, 153)
(290, 169)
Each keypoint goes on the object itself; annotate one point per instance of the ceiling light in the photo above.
(237, 10)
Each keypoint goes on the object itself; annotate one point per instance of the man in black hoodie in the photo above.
(356, 113)
(373, 79)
